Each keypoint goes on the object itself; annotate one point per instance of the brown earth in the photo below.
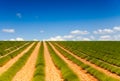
(91, 64)
(83, 76)
(51, 72)
(12, 61)
(27, 71)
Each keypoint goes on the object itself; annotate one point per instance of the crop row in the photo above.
(67, 73)
(10, 73)
(100, 58)
(5, 59)
(107, 51)
(100, 63)
(7, 46)
(39, 74)
(99, 75)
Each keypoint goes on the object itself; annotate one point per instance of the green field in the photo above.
(98, 60)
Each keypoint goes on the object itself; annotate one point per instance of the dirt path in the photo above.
(83, 76)
(92, 65)
(51, 72)
(12, 61)
(27, 71)
(14, 50)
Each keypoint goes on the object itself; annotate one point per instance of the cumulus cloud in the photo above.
(116, 37)
(92, 37)
(116, 28)
(68, 36)
(19, 15)
(8, 30)
(100, 34)
(86, 39)
(35, 39)
(56, 38)
(73, 35)
(104, 31)
(17, 39)
(107, 31)
(79, 32)
(105, 37)
(12, 39)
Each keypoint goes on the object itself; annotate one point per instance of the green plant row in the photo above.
(39, 74)
(100, 63)
(107, 51)
(10, 73)
(67, 73)
(99, 75)
(7, 46)
(5, 59)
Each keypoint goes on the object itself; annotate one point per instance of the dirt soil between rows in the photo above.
(12, 61)
(27, 71)
(51, 72)
(92, 65)
(83, 76)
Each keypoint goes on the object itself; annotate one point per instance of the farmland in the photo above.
(60, 61)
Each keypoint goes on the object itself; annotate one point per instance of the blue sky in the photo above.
(60, 19)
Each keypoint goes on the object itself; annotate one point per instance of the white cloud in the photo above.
(19, 15)
(19, 39)
(35, 39)
(107, 31)
(12, 39)
(105, 37)
(117, 37)
(8, 30)
(81, 38)
(116, 28)
(92, 37)
(100, 34)
(79, 32)
(68, 36)
(57, 38)
(104, 31)
(86, 39)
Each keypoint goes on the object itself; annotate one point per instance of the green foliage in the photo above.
(5, 59)
(99, 75)
(105, 54)
(7, 46)
(67, 73)
(10, 73)
(39, 74)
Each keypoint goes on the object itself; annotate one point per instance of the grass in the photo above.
(99, 75)
(67, 73)
(10, 73)
(39, 74)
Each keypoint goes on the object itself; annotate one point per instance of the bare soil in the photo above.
(92, 65)
(83, 76)
(12, 61)
(27, 71)
(51, 72)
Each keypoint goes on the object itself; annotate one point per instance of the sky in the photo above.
(59, 20)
